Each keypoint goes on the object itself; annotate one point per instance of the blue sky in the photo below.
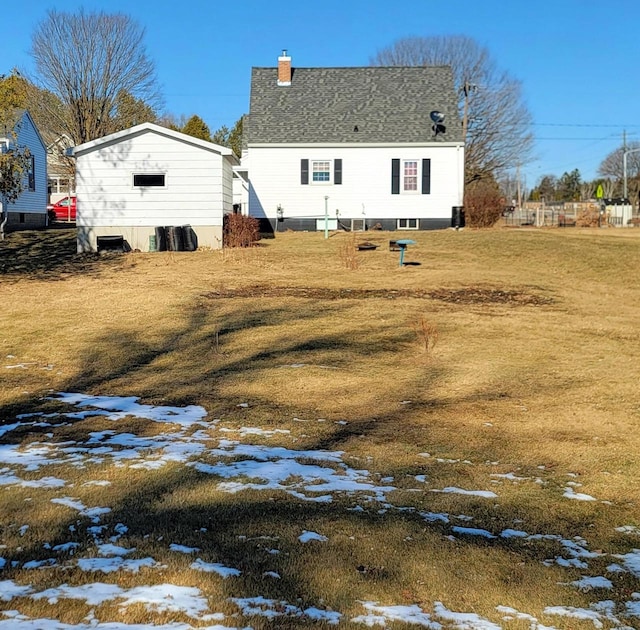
(577, 60)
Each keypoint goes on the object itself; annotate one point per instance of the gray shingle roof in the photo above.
(385, 104)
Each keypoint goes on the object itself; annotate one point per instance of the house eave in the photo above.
(349, 145)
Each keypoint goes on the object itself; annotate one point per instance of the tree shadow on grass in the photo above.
(50, 255)
(177, 504)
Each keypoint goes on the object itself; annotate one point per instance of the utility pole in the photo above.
(467, 88)
(519, 189)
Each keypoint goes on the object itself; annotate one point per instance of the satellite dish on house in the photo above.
(437, 118)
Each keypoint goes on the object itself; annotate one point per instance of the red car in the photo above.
(64, 210)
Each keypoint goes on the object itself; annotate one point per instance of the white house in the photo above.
(134, 181)
(60, 169)
(369, 146)
(29, 210)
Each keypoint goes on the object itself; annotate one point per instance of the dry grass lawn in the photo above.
(502, 361)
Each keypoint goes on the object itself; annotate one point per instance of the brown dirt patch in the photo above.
(467, 295)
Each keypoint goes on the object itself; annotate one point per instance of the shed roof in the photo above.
(147, 127)
(362, 104)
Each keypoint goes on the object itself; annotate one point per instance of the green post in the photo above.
(326, 216)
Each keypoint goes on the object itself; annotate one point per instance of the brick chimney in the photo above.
(284, 69)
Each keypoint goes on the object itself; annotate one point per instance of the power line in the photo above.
(620, 126)
(570, 138)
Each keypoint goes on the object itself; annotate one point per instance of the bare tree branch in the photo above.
(612, 168)
(87, 60)
(491, 106)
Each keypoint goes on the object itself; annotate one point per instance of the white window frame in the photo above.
(312, 171)
(408, 224)
(133, 179)
(404, 177)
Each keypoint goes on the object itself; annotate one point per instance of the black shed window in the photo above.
(141, 180)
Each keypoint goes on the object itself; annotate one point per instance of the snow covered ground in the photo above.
(191, 439)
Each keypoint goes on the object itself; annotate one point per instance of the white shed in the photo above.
(134, 181)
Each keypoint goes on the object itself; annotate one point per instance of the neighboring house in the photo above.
(133, 181)
(29, 211)
(358, 144)
(60, 169)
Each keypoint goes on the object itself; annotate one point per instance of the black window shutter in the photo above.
(426, 177)
(337, 171)
(304, 171)
(395, 176)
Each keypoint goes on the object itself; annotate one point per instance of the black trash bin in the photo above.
(457, 217)
(190, 239)
(161, 239)
(175, 238)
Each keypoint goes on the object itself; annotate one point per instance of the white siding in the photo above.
(194, 191)
(365, 191)
(32, 201)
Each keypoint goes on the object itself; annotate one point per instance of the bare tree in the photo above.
(612, 168)
(88, 60)
(609, 187)
(588, 190)
(496, 121)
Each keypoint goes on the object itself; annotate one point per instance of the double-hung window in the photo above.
(320, 171)
(410, 176)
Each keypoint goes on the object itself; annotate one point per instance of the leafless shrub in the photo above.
(240, 231)
(588, 218)
(427, 333)
(349, 252)
(483, 204)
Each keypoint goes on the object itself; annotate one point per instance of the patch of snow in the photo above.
(631, 561)
(587, 583)
(119, 407)
(214, 567)
(110, 550)
(570, 493)
(472, 531)
(92, 513)
(9, 589)
(583, 614)
(379, 615)
(629, 529)
(168, 598)
(435, 517)
(40, 564)
(270, 608)
(513, 533)
(183, 548)
(309, 536)
(111, 565)
(317, 614)
(463, 621)
(6, 428)
(474, 493)
(509, 476)
(69, 547)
